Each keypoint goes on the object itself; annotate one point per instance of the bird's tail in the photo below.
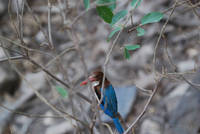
(118, 125)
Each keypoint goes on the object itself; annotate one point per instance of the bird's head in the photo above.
(95, 78)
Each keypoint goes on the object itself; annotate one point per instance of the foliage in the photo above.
(87, 4)
(113, 32)
(121, 14)
(105, 13)
(63, 92)
(134, 2)
(111, 6)
(151, 18)
(140, 31)
(105, 9)
(129, 48)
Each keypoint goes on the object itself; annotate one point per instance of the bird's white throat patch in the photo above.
(95, 83)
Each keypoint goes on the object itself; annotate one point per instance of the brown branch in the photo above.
(49, 25)
(194, 9)
(59, 80)
(177, 5)
(59, 56)
(29, 115)
(24, 47)
(161, 33)
(35, 18)
(196, 86)
(145, 107)
(43, 99)
(12, 58)
(181, 75)
(158, 83)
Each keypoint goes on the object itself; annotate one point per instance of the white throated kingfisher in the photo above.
(109, 102)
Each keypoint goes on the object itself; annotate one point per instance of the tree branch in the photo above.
(145, 107)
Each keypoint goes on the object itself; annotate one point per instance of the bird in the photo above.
(109, 102)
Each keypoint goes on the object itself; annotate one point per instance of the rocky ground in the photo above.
(175, 106)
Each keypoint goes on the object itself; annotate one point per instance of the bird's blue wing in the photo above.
(109, 106)
(110, 101)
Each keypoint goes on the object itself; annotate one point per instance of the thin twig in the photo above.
(109, 128)
(194, 10)
(177, 5)
(145, 91)
(193, 6)
(65, 116)
(28, 114)
(196, 86)
(49, 25)
(59, 56)
(22, 46)
(145, 107)
(12, 18)
(59, 80)
(12, 58)
(161, 33)
(14, 51)
(82, 13)
(35, 18)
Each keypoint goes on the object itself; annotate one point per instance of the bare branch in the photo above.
(161, 33)
(65, 115)
(12, 58)
(28, 114)
(145, 107)
(59, 80)
(49, 25)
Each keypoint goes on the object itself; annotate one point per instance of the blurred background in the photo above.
(44, 43)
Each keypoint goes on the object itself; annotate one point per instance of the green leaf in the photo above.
(119, 16)
(113, 33)
(134, 2)
(132, 47)
(151, 18)
(128, 48)
(62, 91)
(112, 6)
(140, 31)
(105, 13)
(86, 4)
(126, 54)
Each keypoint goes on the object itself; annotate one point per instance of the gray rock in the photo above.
(9, 80)
(2, 54)
(186, 65)
(37, 81)
(185, 118)
(60, 128)
(150, 127)
(173, 98)
(3, 7)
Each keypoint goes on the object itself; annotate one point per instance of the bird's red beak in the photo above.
(91, 79)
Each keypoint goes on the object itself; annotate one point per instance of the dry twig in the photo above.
(145, 107)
